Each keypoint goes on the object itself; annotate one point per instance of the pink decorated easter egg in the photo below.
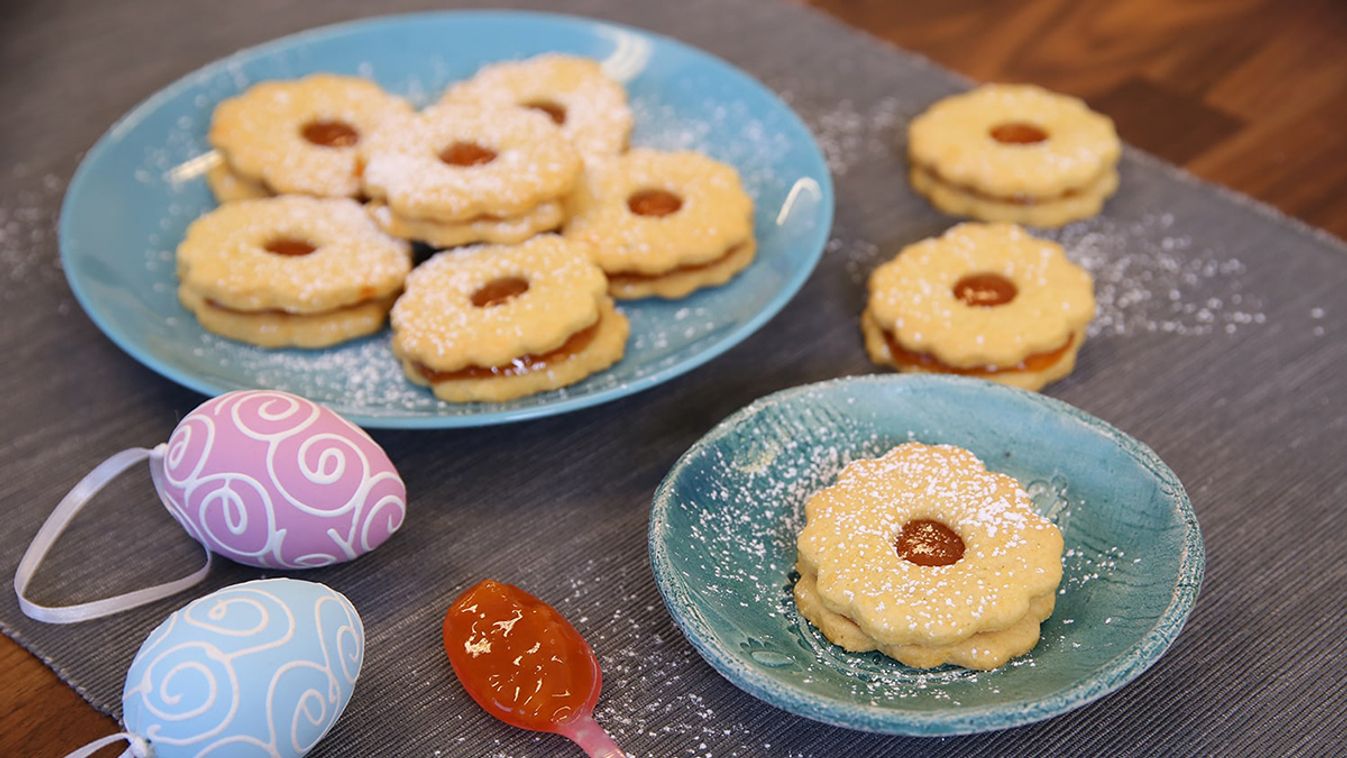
(270, 479)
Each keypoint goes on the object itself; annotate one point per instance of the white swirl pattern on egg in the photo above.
(273, 480)
(263, 667)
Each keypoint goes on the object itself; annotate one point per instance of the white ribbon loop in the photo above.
(60, 519)
(137, 747)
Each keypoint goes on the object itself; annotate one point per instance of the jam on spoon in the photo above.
(526, 665)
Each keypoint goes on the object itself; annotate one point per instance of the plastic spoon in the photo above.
(526, 665)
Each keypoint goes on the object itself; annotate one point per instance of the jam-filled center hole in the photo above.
(289, 246)
(467, 154)
(929, 543)
(499, 291)
(985, 290)
(330, 134)
(1019, 133)
(654, 202)
(556, 111)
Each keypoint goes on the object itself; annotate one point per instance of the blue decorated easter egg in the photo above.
(262, 668)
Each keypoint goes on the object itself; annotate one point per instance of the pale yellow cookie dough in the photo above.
(225, 257)
(1010, 554)
(913, 297)
(229, 187)
(545, 217)
(590, 108)
(713, 212)
(605, 348)
(1045, 214)
(437, 324)
(262, 132)
(279, 329)
(1063, 144)
(454, 163)
(682, 282)
(983, 651)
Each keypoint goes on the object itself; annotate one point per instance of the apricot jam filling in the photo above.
(330, 134)
(654, 202)
(985, 290)
(522, 365)
(1035, 362)
(498, 291)
(929, 543)
(465, 154)
(555, 111)
(289, 246)
(1018, 133)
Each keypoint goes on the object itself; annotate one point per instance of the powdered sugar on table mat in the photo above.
(28, 236)
(1148, 277)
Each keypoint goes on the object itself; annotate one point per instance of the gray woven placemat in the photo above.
(1220, 342)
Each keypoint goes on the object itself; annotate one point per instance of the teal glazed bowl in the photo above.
(722, 546)
(137, 190)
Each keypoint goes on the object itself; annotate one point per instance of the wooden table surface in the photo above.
(1251, 94)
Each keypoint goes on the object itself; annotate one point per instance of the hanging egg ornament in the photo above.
(259, 668)
(262, 477)
(273, 480)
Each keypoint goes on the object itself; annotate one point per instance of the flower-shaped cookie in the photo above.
(924, 551)
(298, 136)
(491, 323)
(454, 163)
(987, 300)
(1015, 153)
(664, 224)
(290, 270)
(590, 108)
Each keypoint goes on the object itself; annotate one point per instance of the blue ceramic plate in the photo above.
(141, 185)
(722, 543)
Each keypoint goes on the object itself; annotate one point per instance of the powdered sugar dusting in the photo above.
(1151, 278)
(1148, 278)
(27, 236)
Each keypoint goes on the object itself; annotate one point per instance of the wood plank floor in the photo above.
(1251, 94)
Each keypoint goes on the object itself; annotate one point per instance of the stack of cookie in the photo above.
(456, 174)
(664, 224)
(297, 137)
(928, 557)
(493, 323)
(290, 271)
(983, 300)
(1015, 153)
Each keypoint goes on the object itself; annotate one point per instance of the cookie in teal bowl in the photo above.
(722, 545)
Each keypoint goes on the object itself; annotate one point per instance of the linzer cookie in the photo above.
(664, 224)
(229, 186)
(1014, 153)
(290, 271)
(493, 323)
(984, 300)
(297, 137)
(590, 108)
(455, 174)
(928, 557)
